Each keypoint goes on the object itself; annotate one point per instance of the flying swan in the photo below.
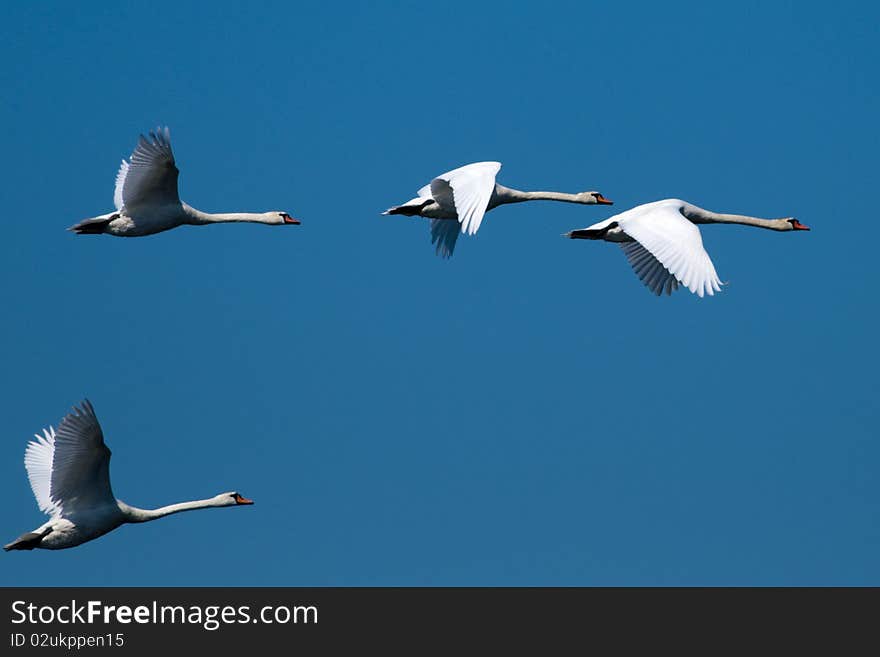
(663, 244)
(466, 194)
(69, 472)
(146, 197)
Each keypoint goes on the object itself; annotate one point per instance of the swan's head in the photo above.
(795, 224)
(232, 498)
(279, 218)
(594, 198)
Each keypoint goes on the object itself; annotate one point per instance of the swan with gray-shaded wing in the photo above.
(663, 244)
(456, 201)
(69, 472)
(146, 197)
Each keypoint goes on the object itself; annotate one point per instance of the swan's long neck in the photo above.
(134, 514)
(199, 218)
(504, 195)
(701, 216)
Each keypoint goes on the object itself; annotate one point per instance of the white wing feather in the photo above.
(676, 243)
(150, 175)
(38, 463)
(466, 190)
(120, 183)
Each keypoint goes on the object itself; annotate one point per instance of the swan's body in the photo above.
(146, 197)
(457, 200)
(69, 472)
(663, 244)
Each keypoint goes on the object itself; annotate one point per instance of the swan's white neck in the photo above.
(199, 218)
(700, 216)
(503, 195)
(134, 514)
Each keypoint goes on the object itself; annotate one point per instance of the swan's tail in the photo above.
(94, 226)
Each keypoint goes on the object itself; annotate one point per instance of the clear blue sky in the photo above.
(525, 413)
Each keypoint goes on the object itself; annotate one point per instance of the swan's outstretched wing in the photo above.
(444, 233)
(80, 477)
(466, 190)
(675, 242)
(150, 177)
(38, 462)
(649, 270)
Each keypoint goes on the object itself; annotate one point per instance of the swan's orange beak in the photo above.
(797, 225)
(290, 220)
(242, 500)
(601, 200)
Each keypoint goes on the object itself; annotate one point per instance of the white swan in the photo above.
(466, 194)
(663, 244)
(146, 197)
(69, 471)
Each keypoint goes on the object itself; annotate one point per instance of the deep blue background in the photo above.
(525, 413)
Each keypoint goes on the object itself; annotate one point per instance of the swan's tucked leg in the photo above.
(589, 233)
(28, 541)
(94, 226)
(410, 208)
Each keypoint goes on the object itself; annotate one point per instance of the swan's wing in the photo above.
(150, 176)
(649, 270)
(676, 243)
(466, 190)
(444, 233)
(38, 462)
(81, 462)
